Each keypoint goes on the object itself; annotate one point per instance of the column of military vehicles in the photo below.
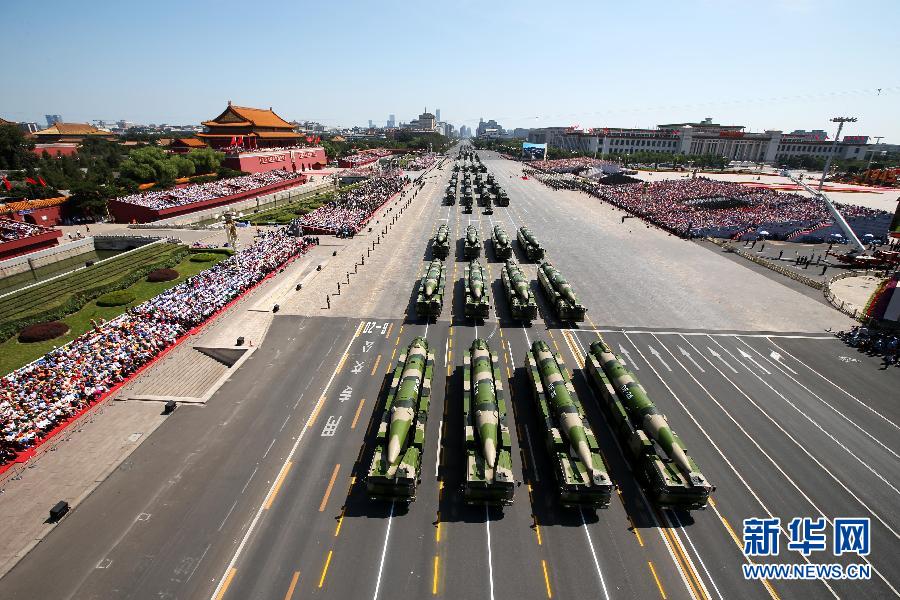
(476, 181)
(660, 459)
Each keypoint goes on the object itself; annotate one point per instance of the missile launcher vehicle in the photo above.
(478, 298)
(397, 462)
(488, 204)
(659, 457)
(502, 198)
(486, 436)
(501, 242)
(472, 247)
(430, 300)
(560, 294)
(440, 244)
(581, 475)
(533, 249)
(519, 295)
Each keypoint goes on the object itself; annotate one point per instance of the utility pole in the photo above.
(840, 121)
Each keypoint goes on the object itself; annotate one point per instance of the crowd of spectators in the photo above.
(36, 398)
(364, 158)
(158, 200)
(11, 230)
(701, 207)
(421, 162)
(347, 214)
(570, 165)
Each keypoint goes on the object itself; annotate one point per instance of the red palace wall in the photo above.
(295, 160)
(36, 216)
(123, 212)
(62, 149)
(29, 244)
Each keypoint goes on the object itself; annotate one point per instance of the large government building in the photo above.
(705, 137)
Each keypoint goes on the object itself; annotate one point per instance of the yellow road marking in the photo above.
(437, 533)
(325, 569)
(683, 565)
(337, 530)
(375, 366)
(358, 410)
(635, 530)
(537, 530)
(655, 578)
(334, 473)
(225, 585)
(312, 417)
(772, 593)
(434, 581)
(290, 591)
(341, 364)
(388, 332)
(359, 328)
(278, 482)
(546, 578)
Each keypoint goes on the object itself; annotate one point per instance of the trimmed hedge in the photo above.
(41, 332)
(226, 251)
(116, 298)
(77, 301)
(158, 275)
(203, 257)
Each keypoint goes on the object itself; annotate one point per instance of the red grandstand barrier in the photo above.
(39, 447)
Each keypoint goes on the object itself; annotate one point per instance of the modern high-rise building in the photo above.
(437, 114)
(392, 121)
(52, 120)
(370, 124)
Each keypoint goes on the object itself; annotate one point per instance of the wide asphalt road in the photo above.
(260, 493)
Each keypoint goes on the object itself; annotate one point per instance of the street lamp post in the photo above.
(840, 121)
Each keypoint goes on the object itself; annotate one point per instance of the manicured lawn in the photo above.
(14, 355)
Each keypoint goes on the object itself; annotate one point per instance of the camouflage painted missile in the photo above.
(560, 293)
(430, 300)
(501, 242)
(533, 250)
(440, 246)
(580, 471)
(472, 247)
(486, 435)
(660, 456)
(478, 300)
(399, 442)
(518, 293)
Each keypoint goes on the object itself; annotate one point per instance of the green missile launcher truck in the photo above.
(472, 243)
(478, 299)
(487, 441)
(532, 248)
(518, 292)
(659, 457)
(397, 461)
(501, 242)
(581, 475)
(560, 294)
(440, 244)
(430, 300)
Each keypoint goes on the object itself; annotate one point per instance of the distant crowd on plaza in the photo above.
(347, 214)
(158, 200)
(38, 397)
(570, 165)
(11, 230)
(700, 207)
(422, 162)
(364, 158)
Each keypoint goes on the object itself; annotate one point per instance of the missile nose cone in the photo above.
(429, 288)
(393, 449)
(584, 453)
(490, 452)
(681, 459)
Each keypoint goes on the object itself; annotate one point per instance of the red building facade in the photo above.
(296, 160)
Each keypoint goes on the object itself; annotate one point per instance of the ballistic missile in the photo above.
(403, 408)
(432, 277)
(487, 415)
(519, 282)
(442, 234)
(641, 409)
(472, 234)
(566, 410)
(559, 282)
(476, 279)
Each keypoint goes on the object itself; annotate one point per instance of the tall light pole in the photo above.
(878, 139)
(840, 121)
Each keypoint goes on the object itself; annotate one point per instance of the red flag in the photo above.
(309, 139)
(41, 180)
(31, 181)
(233, 141)
(318, 138)
(6, 183)
(240, 140)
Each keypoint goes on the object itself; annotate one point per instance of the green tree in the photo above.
(206, 160)
(16, 151)
(89, 200)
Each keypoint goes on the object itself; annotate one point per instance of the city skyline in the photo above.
(752, 68)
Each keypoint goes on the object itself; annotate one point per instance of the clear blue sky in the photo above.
(776, 64)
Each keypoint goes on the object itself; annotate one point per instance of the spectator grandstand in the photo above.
(38, 398)
(352, 209)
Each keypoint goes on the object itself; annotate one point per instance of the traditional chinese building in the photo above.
(248, 128)
(73, 133)
(185, 145)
